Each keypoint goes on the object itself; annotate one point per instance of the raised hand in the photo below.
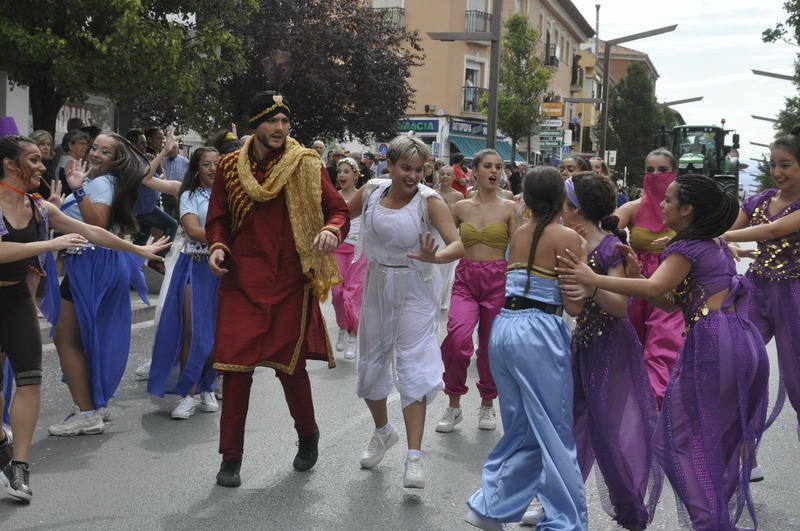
(66, 241)
(76, 173)
(633, 268)
(427, 249)
(56, 197)
(573, 270)
(170, 141)
(151, 251)
(739, 253)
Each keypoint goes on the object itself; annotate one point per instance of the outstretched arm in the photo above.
(766, 231)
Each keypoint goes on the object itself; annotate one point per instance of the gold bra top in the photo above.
(535, 270)
(494, 235)
(642, 239)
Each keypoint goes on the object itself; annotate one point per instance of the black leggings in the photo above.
(19, 334)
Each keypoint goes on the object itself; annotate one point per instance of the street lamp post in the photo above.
(680, 102)
(493, 36)
(606, 67)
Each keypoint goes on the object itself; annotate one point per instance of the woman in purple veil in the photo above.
(614, 406)
(715, 406)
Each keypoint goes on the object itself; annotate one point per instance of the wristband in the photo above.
(596, 289)
(79, 193)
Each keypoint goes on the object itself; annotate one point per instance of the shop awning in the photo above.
(469, 146)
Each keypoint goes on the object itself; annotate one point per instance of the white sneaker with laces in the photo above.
(756, 474)
(414, 477)
(377, 447)
(481, 522)
(341, 340)
(487, 418)
(451, 417)
(185, 408)
(352, 343)
(208, 402)
(105, 413)
(532, 517)
(77, 424)
(142, 372)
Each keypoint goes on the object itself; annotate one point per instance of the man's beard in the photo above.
(264, 141)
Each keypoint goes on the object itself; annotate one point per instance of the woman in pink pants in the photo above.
(660, 332)
(486, 223)
(347, 295)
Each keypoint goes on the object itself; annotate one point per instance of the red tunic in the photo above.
(268, 314)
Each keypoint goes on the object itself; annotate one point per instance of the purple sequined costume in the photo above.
(775, 304)
(615, 409)
(715, 407)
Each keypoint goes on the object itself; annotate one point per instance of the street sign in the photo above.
(611, 158)
(551, 133)
(550, 142)
(552, 109)
(553, 122)
(568, 137)
(383, 149)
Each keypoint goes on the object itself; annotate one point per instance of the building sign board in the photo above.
(552, 109)
(461, 127)
(550, 142)
(418, 126)
(551, 133)
(553, 122)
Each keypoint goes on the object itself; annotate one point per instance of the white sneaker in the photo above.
(481, 522)
(414, 477)
(341, 340)
(377, 447)
(142, 372)
(352, 343)
(77, 424)
(532, 517)
(756, 474)
(185, 408)
(451, 417)
(208, 402)
(487, 418)
(105, 413)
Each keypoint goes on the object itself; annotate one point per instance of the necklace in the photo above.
(12, 188)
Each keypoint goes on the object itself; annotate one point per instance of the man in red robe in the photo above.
(273, 219)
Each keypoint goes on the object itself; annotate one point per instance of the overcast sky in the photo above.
(711, 54)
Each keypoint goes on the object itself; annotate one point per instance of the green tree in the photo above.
(634, 119)
(764, 176)
(170, 50)
(523, 81)
(349, 70)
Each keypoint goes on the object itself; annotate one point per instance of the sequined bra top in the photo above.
(776, 259)
(593, 320)
(494, 235)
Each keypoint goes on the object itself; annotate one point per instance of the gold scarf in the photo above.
(298, 170)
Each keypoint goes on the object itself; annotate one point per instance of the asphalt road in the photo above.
(148, 471)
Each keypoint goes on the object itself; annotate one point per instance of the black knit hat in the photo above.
(265, 105)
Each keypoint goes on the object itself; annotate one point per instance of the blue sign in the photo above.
(383, 149)
(460, 127)
(418, 126)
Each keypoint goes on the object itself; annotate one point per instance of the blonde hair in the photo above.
(350, 161)
(406, 147)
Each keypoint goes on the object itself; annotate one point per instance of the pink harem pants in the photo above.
(348, 295)
(660, 332)
(478, 296)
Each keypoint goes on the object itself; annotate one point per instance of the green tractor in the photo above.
(701, 149)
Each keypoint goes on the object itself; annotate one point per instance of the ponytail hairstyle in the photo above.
(598, 198)
(129, 167)
(191, 181)
(544, 193)
(714, 210)
(789, 143)
(11, 147)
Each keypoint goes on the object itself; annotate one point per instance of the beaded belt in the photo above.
(199, 257)
(77, 250)
(524, 303)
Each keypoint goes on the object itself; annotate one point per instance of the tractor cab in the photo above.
(701, 149)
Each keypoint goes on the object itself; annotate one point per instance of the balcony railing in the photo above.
(472, 99)
(477, 21)
(550, 55)
(396, 16)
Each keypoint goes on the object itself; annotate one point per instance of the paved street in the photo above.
(148, 471)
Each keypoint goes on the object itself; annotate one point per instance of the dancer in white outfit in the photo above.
(398, 346)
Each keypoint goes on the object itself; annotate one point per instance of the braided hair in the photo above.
(11, 147)
(598, 198)
(789, 143)
(544, 193)
(714, 210)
